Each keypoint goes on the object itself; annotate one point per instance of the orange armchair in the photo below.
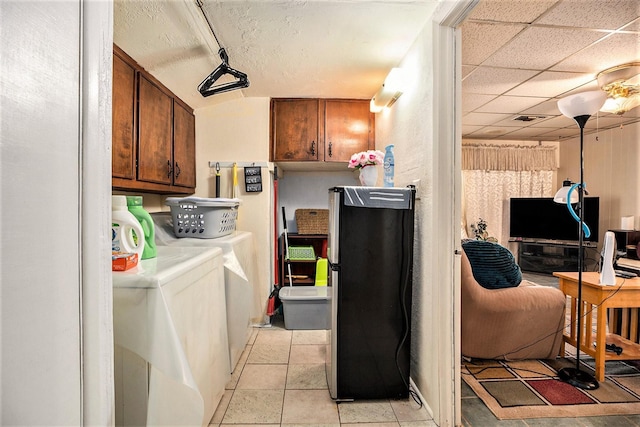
(522, 322)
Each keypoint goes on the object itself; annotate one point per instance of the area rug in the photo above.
(531, 388)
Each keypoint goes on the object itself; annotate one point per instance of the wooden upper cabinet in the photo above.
(184, 147)
(348, 129)
(295, 129)
(325, 130)
(123, 105)
(153, 142)
(155, 124)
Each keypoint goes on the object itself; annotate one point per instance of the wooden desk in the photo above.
(595, 297)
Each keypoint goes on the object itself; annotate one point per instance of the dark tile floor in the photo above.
(476, 414)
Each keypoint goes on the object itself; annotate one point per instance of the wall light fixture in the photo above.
(389, 92)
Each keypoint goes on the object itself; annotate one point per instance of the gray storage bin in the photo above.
(305, 307)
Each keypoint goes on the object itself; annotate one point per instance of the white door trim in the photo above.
(447, 132)
(95, 210)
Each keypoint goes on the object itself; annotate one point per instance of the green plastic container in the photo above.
(134, 204)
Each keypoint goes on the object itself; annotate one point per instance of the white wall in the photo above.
(56, 121)
(238, 131)
(611, 159)
(408, 125)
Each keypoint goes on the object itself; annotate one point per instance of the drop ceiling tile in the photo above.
(480, 40)
(556, 121)
(524, 11)
(592, 85)
(472, 101)
(546, 108)
(599, 14)
(550, 84)
(614, 50)
(510, 104)
(510, 122)
(466, 130)
(494, 81)
(563, 133)
(538, 48)
(483, 119)
(467, 69)
(634, 26)
(527, 133)
(596, 122)
(491, 132)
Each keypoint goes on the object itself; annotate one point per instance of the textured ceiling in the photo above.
(326, 48)
(519, 56)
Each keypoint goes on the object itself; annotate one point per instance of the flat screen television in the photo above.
(542, 218)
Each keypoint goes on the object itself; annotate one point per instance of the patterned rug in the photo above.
(531, 388)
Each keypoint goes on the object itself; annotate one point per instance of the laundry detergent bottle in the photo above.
(127, 235)
(134, 203)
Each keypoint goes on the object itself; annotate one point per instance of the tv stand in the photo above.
(548, 256)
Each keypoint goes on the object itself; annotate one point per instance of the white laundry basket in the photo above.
(203, 218)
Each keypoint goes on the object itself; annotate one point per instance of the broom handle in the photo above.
(286, 243)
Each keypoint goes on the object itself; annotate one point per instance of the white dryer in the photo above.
(240, 280)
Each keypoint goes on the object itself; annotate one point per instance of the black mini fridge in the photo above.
(370, 256)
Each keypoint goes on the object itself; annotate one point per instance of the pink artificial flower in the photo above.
(353, 162)
(366, 158)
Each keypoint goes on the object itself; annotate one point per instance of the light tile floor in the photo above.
(280, 381)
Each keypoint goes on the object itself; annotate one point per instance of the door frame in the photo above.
(447, 131)
(96, 297)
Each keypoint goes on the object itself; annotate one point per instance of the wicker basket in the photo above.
(312, 221)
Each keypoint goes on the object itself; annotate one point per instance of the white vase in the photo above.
(369, 176)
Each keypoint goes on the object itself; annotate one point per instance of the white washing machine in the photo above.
(240, 280)
(170, 359)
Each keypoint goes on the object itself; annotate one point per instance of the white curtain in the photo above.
(491, 175)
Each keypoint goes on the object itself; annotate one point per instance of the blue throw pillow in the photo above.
(493, 266)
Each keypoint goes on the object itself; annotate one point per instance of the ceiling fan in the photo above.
(622, 84)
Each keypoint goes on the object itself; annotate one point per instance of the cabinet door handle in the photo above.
(313, 148)
(330, 148)
(177, 170)
(169, 169)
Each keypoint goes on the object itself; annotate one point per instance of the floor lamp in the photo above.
(580, 107)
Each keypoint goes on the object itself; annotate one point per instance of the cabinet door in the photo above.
(184, 147)
(348, 129)
(295, 129)
(124, 97)
(155, 134)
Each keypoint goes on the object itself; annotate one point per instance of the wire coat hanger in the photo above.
(207, 87)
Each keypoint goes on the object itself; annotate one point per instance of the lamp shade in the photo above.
(582, 104)
(561, 195)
